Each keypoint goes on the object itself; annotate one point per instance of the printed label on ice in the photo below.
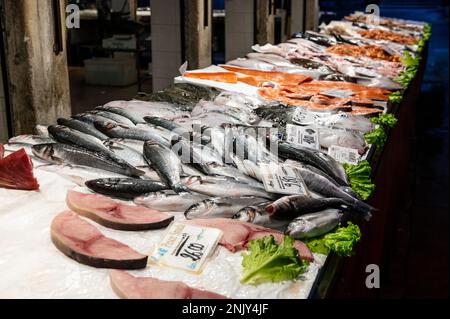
(302, 135)
(282, 179)
(344, 154)
(337, 93)
(186, 247)
(303, 117)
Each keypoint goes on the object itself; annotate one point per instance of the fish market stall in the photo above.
(258, 178)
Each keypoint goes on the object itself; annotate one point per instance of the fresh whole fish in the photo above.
(137, 145)
(171, 136)
(221, 207)
(30, 140)
(295, 205)
(89, 118)
(82, 127)
(122, 131)
(123, 112)
(129, 154)
(314, 224)
(126, 188)
(256, 214)
(315, 170)
(114, 117)
(314, 158)
(66, 135)
(249, 147)
(222, 186)
(168, 125)
(60, 154)
(169, 201)
(344, 138)
(166, 163)
(321, 185)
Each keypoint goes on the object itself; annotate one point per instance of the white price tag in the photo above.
(344, 154)
(307, 136)
(304, 117)
(186, 247)
(337, 93)
(282, 179)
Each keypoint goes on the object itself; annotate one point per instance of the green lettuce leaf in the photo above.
(385, 120)
(341, 241)
(360, 178)
(376, 137)
(266, 261)
(396, 97)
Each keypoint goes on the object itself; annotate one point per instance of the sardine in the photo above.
(125, 188)
(314, 224)
(295, 205)
(115, 130)
(82, 127)
(169, 201)
(321, 185)
(166, 163)
(89, 118)
(222, 186)
(114, 117)
(221, 207)
(60, 154)
(66, 135)
(256, 214)
(123, 112)
(315, 158)
(129, 154)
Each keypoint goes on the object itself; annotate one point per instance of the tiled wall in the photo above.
(3, 123)
(238, 28)
(166, 42)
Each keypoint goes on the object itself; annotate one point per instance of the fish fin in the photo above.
(180, 188)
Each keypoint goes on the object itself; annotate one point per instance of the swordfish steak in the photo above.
(129, 287)
(84, 243)
(237, 234)
(115, 215)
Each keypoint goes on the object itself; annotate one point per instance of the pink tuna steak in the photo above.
(129, 287)
(237, 234)
(116, 215)
(84, 243)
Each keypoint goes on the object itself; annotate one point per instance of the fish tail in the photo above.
(364, 209)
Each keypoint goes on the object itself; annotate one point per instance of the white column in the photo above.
(166, 42)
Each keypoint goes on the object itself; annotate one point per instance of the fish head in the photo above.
(200, 210)
(46, 152)
(299, 227)
(246, 214)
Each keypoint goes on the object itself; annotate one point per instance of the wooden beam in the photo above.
(198, 33)
(38, 78)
